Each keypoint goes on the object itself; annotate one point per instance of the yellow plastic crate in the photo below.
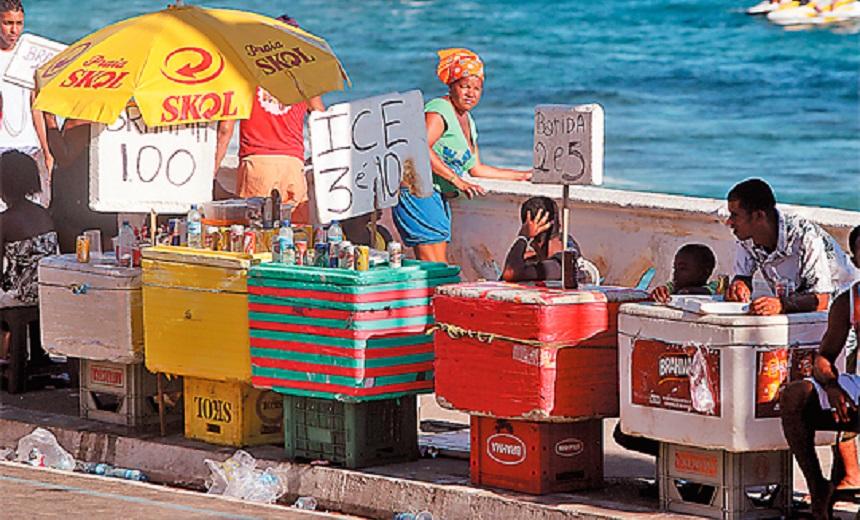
(232, 413)
(195, 312)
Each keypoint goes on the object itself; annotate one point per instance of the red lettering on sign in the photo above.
(198, 107)
(94, 79)
(107, 376)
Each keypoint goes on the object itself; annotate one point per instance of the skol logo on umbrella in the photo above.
(192, 66)
(273, 57)
(98, 72)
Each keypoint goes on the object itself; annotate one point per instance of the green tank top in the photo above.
(452, 146)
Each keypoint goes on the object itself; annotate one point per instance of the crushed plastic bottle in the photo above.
(40, 448)
(238, 477)
(701, 391)
(306, 503)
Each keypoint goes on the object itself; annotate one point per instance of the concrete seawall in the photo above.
(623, 232)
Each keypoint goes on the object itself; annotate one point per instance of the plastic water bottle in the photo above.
(306, 503)
(127, 474)
(125, 245)
(335, 237)
(335, 232)
(195, 228)
(285, 248)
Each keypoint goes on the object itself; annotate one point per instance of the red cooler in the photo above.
(525, 352)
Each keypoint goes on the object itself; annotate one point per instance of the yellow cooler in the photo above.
(195, 312)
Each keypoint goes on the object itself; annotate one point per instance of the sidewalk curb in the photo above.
(177, 461)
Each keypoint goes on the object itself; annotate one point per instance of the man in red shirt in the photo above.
(271, 149)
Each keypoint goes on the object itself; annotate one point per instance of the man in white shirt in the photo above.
(784, 248)
(21, 128)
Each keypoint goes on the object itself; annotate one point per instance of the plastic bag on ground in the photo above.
(41, 448)
(239, 477)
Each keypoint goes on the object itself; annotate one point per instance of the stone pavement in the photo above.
(439, 485)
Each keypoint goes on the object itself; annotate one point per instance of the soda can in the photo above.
(212, 238)
(301, 251)
(277, 250)
(722, 283)
(395, 255)
(249, 242)
(346, 256)
(362, 258)
(224, 239)
(82, 248)
(173, 229)
(310, 257)
(268, 239)
(784, 288)
(288, 251)
(237, 238)
(319, 235)
(333, 248)
(321, 255)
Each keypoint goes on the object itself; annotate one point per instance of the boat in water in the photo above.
(793, 12)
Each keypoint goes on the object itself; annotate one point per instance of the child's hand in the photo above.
(738, 292)
(660, 294)
(534, 226)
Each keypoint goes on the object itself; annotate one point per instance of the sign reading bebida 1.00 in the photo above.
(135, 168)
(364, 149)
(568, 144)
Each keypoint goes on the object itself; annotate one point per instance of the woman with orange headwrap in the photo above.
(425, 223)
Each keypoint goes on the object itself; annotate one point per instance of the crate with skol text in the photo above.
(536, 457)
(724, 484)
(127, 394)
(232, 413)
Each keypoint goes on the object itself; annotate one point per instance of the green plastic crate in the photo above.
(353, 435)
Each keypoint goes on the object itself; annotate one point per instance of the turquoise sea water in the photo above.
(697, 95)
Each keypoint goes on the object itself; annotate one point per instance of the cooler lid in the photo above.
(522, 294)
(204, 257)
(663, 312)
(61, 266)
(412, 270)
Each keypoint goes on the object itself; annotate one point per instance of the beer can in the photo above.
(301, 251)
(395, 255)
(212, 238)
(310, 257)
(784, 288)
(82, 248)
(173, 229)
(362, 258)
(722, 283)
(269, 238)
(249, 242)
(346, 255)
(237, 238)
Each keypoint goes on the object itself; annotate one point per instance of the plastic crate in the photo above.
(723, 484)
(232, 413)
(127, 394)
(536, 457)
(353, 435)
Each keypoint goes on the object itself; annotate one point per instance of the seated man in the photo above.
(783, 248)
(828, 401)
(691, 269)
(536, 252)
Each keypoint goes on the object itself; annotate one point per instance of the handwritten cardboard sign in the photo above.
(31, 52)
(135, 168)
(362, 150)
(568, 144)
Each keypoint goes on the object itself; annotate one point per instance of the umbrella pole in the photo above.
(372, 243)
(160, 405)
(153, 226)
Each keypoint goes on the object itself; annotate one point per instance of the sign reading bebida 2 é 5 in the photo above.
(568, 145)
(136, 168)
(364, 149)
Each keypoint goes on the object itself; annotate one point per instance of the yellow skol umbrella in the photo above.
(186, 64)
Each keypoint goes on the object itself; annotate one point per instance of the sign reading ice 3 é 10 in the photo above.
(362, 150)
(135, 168)
(568, 144)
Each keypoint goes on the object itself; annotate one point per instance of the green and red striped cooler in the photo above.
(346, 335)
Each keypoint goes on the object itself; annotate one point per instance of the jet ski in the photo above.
(766, 6)
(795, 13)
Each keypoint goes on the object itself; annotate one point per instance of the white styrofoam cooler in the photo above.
(742, 353)
(91, 310)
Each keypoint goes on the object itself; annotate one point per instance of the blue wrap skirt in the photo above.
(422, 221)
